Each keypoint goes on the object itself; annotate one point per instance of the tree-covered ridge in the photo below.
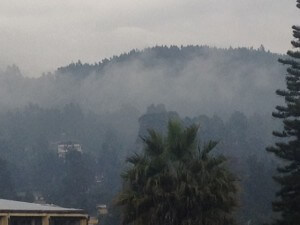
(170, 55)
(228, 92)
(191, 80)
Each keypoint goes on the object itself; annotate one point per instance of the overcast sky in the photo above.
(40, 36)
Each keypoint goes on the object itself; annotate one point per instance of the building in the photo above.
(64, 147)
(23, 213)
(102, 209)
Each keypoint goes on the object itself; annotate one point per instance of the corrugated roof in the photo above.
(12, 206)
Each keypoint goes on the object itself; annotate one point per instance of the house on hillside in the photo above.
(64, 147)
(23, 213)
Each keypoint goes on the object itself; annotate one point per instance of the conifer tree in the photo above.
(288, 197)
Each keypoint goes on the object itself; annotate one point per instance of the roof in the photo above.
(16, 206)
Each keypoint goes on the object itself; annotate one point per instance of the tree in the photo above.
(258, 191)
(77, 181)
(6, 184)
(288, 150)
(175, 183)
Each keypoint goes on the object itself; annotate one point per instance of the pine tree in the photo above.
(288, 201)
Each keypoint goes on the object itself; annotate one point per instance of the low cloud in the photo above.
(39, 36)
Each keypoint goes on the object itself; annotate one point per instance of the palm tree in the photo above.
(175, 182)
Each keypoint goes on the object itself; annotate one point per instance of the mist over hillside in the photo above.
(108, 106)
(191, 80)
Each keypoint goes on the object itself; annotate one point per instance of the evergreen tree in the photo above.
(288, 202)
(175, 183)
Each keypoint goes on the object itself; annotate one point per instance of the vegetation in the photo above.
(243, 78)
(242, 141)
(6, 185)
(29, 138)
(81, 103)
(175, 183)
(288, 202)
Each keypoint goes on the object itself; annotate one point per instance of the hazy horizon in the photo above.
(41, 36)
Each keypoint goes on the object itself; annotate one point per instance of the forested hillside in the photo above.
(191, 80)
(108, 106)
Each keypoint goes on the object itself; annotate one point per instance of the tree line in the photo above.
(32, 168)
(174, 176)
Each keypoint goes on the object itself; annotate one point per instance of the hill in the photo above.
(191, 80)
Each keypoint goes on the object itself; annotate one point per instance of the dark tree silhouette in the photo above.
(175, 183)
(288, 202)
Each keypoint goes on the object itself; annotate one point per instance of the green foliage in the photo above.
(28, 137)
(242, 140)
(288, 201)
(173, 182)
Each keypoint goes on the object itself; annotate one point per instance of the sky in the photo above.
(40, 36)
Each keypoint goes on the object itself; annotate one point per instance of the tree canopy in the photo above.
(175, 181)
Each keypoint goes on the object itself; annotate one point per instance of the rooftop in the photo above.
(16, 206)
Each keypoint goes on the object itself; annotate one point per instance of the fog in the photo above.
(92, 77)
(40, 36)
(104, 107)
(213, 84)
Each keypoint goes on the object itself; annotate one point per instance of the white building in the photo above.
(64, 147)
(23, 213)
